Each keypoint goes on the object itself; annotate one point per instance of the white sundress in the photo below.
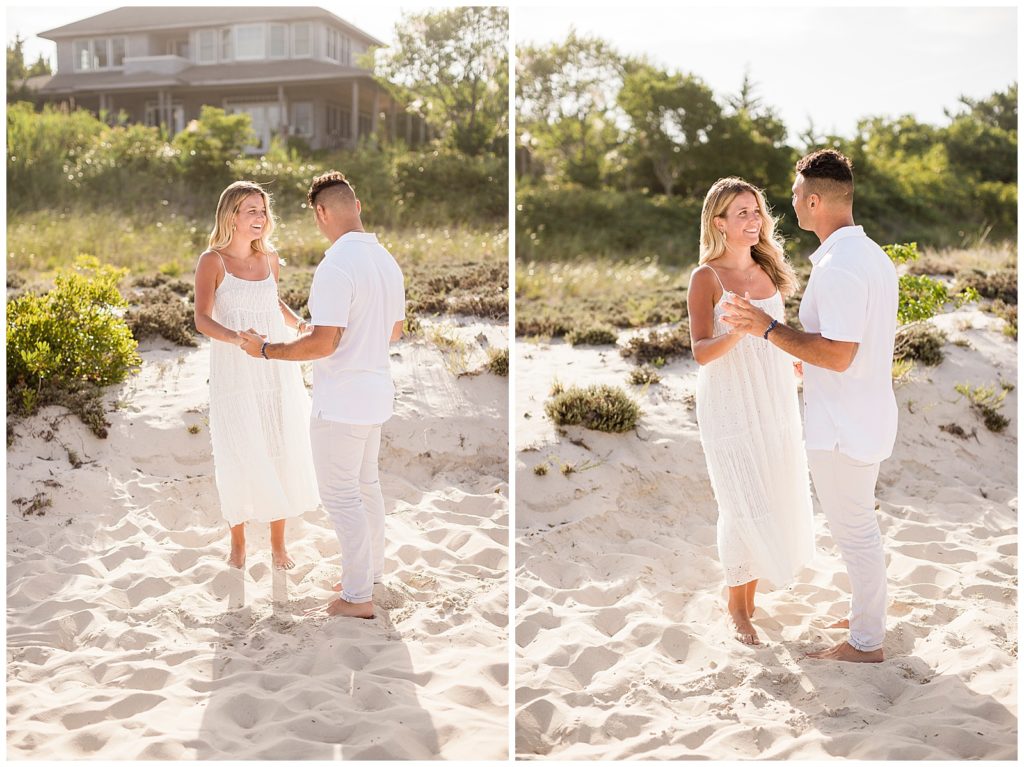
(259, 413)
(750, 429)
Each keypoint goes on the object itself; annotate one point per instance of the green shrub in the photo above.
(69, 340)
(567, 222)
(497, 362)
(208, 145)
(449, 184)
(601, 407)
(130, 162)
(920, 296)
(657, 346)
(919, 341)
(41, 150)
(986, 403)
(597, 335)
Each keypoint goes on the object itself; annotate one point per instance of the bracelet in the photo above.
(775, 324)
(263, 350)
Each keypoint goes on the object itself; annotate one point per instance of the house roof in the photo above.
(146, 19)
(263, 72)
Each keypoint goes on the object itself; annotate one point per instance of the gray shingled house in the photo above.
(295, 70)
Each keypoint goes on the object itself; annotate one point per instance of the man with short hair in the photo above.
(357, 306)
(848, 312)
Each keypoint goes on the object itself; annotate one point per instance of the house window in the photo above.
(278, 41)
(332, 43)
(206, 46)
(250, 41)
(99, 53)
(346, 50)
(302, 39)
(302, 118)
(226, 49)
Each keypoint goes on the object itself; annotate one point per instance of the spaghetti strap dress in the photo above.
(259, 412)
(749, 420)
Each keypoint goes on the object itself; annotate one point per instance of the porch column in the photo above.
(354, 116)
(282, 110)
(161, 115)
(392, 120)
(376, 111)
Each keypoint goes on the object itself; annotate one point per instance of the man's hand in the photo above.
(744, 317)
(252, 342)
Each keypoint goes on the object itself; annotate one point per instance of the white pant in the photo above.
(345, 458)
(846, 490)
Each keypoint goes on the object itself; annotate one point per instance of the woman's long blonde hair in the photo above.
(767, 253)
(227, 211)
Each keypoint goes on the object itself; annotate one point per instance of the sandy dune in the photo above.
(129, 637)
(624, 650)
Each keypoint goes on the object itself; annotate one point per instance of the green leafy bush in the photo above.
(920, 296)
(597, 335)
(602, 408)
(42, 148)
(69, 339)
(208, 145)
(132, 159)
(466, 188)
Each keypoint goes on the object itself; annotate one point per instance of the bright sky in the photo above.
(832, 65)
(378, 19)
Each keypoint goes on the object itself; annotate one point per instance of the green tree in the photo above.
(673, 119)
(451, 66)
(208, 144)
(565, 102)
(18, 73)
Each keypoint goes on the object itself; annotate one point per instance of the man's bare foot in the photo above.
(847, 652)
(842, 623)
(350, 609)
(281, 560)
(745, 631)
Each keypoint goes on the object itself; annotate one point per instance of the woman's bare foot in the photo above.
(847, 652)
(350, 609)
(750, 591)
(281, 559)
(745, 631)
(237, 556)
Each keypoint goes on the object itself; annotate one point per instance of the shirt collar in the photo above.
(357, 237)
(841, 233)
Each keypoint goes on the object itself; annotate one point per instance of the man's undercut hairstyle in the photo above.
(329, 187)
(828, 173)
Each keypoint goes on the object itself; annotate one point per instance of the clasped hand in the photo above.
(252, 342)
(744, 317)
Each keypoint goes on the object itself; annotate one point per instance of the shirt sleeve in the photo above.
(842, 305)
(330, 297)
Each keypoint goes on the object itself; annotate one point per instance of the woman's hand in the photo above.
(798, 370)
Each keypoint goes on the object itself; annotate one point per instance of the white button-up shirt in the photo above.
(357, 286)
(852, 295)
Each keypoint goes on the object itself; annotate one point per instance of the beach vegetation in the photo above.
(658, 346)
(598, 407)
(986, 403)
(592, 335)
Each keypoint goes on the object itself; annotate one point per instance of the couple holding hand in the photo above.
(276, 455)
(757, 454)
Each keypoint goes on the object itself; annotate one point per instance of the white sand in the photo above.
(129, 636)
(624, 649)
